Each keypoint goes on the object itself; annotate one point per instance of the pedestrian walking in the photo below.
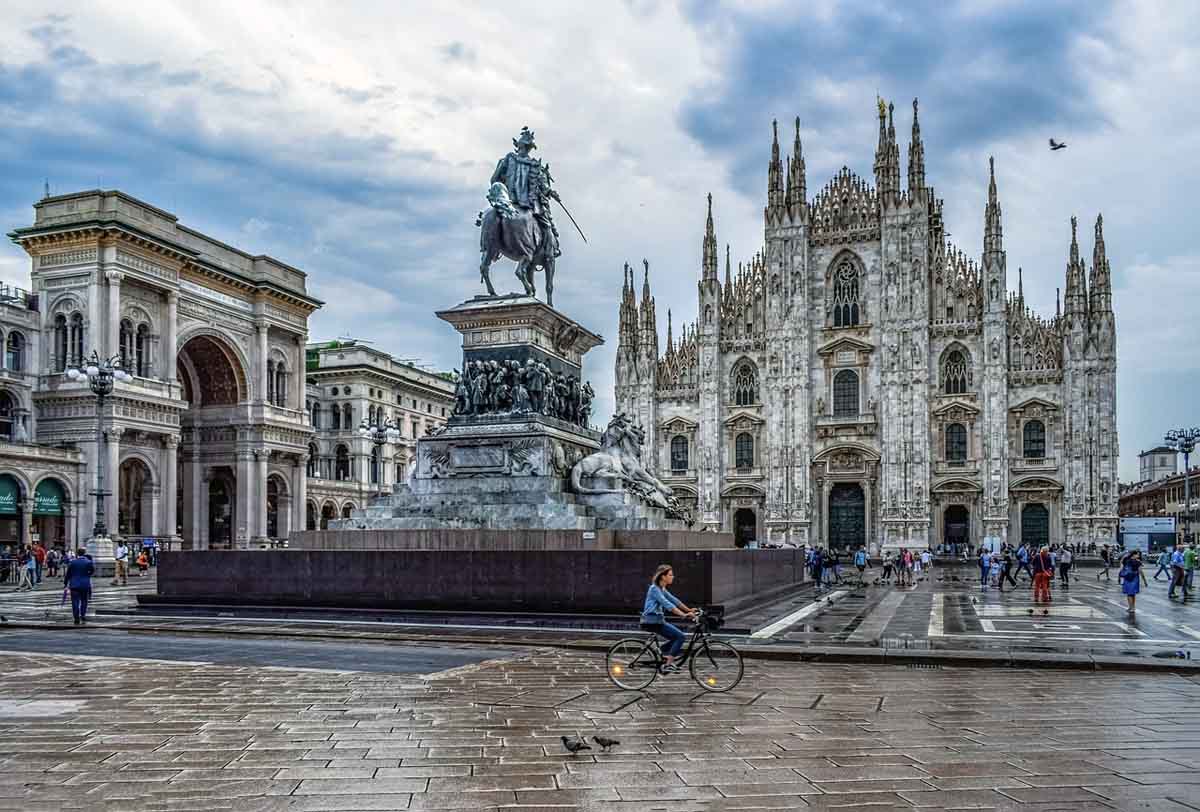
(121, 558)
(816, 567)
(1043, 573)
(887, 567)
(39, 557)
(78, 579)
(1006, 565)
(927, 562)
(860, 561)
(53, 557)
(1189, 566)
(1064, 567)
(1023, 557)
(1105, 564)
(1164, 564)
(985, 563)
(28, 565)
(1130, 575)
(1178, 574)
(143, 563)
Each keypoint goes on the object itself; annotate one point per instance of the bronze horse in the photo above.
(514, 233)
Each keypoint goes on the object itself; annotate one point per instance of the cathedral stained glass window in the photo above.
(845, 294)
(745, 384)
(743, 451)
(956, 442)
(955, 373)
(1035, 439)
(845, 394)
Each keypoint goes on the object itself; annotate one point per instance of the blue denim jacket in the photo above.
(658, 601)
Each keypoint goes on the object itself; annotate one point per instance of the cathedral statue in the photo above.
(519, 225)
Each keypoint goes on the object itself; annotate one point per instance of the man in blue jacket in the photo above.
(78, 578)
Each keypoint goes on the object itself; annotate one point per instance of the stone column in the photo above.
(26, 521)
(200, 486)
(259, 521)
(170, 351)
(300, 493)
(112, 479)
(868, 524)
(244, 524)
(260, 360)
(113, 343)
(298, 380)
(826, 489)
(170, 488)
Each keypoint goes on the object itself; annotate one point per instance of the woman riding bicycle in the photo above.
(659, 601)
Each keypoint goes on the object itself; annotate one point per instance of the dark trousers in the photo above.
(1161, 569)
(673, 634)
(1064, 573)
(1178, 579)
(1024, 567)
(79, 602)
(1006, 574)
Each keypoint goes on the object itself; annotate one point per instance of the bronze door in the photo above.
(847, 517)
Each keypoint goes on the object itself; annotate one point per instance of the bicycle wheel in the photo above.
(632, 663)
(717, 667)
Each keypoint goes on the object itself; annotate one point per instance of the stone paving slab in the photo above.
(154, 736)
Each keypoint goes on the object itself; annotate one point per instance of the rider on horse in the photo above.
(528, 182)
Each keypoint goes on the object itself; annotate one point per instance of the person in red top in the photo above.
(39, 553)
(1043, 572)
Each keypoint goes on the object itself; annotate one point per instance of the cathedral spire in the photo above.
(728, 279)
(670, 338)
(1101, 280)
(648, 320)
(993, 233)
(796, 192)
(1057, 302)
(916, 158)
(709, 261)
(1021, 285)
(1076, 296)
(774, 176)
(887, 156)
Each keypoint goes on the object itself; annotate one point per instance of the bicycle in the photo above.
(716, 666)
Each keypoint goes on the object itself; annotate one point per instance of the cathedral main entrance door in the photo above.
(956, 528)
(847, 516)
(745, 527)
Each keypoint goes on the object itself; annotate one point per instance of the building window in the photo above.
(346, 509)
(1035, 439)
(14, 355)
(59, 363)
(347, 416)
(270, 381)
(341, 470)
(845, 394)
(312, 460)
(141, 351)
(76, 338)
(956, 442)
(126, 344)
(743, 451)
(333, 392)
(280, 385)
(679, 453)
(375, 468)
(399, 473)
(745, 384)
(845, 294)
(6, 417)
(955, 373)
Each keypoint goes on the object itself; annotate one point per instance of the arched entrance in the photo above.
(1035, 524)
(210, 373)
(135, 503)
(328, 514)
(745, 526)
(956, 528)
(310, 516)
(847, 516)
(220, 513)
(347, 509)
(49, 514)
(11, 516)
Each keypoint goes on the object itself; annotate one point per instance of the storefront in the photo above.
(10, 514)
(49, 523)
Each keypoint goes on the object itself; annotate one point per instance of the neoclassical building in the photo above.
(349, 382)
(862, 380)
(209, 441)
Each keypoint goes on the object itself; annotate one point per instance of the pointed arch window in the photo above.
(846, 305)
(1034, 439)
(845, 394)
(745, 384)
(59, 362)
(743, 450)
(956, 373)
(956, 442)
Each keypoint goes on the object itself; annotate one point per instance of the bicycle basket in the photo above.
(714, 618)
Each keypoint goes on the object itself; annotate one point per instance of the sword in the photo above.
(556, 199)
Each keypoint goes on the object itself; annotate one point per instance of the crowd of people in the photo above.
(1041, 566)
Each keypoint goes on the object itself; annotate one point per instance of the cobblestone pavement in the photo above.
(79, 733)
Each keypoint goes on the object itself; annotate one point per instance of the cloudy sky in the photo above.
(355, 141)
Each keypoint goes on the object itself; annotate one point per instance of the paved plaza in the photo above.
(86, 733)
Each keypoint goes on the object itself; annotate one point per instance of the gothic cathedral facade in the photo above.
(861, 381)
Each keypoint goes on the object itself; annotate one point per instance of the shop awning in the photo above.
(10, 495)
(48, 498)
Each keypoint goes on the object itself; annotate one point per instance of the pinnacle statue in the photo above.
(519, 224)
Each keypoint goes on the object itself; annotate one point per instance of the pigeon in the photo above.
(575, 745)
(605, 743)
(1055, 146)
(1031, 611)
(1045, 611)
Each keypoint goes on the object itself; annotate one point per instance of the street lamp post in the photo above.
(1184, 441)
(100, 375)
(379, 435)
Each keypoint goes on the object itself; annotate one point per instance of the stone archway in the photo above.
(745, 526)
(956, 528)
(328, 514)
(211, 373)
(135, 498)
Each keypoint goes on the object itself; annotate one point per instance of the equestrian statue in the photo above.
(519, 224)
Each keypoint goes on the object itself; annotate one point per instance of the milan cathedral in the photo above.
(862, 381)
